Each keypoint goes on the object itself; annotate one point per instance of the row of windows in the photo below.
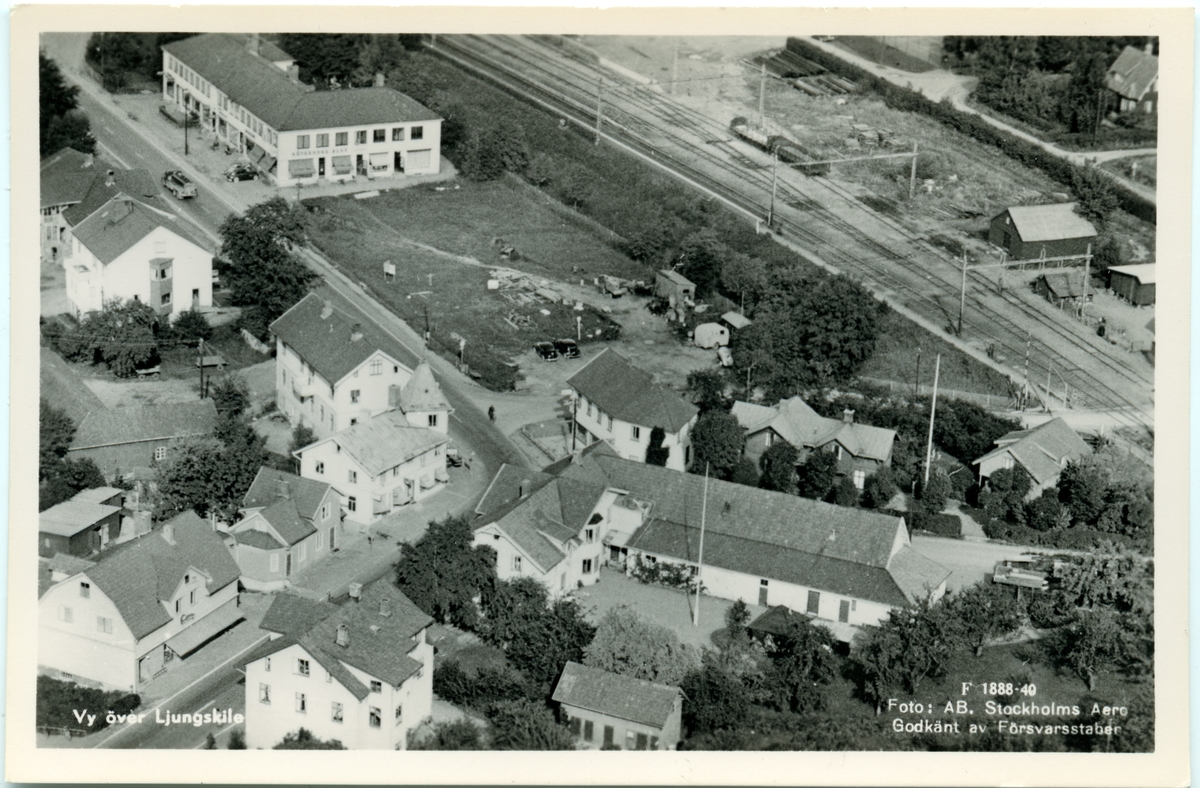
(191, 77)
(67, 616)
(342, 138)
(337, 711)
(633, 740)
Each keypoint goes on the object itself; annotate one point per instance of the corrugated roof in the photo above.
(1042, 451)
(118, 426)
(798, 424)
(736, 319)
(677, 278)
(385, 441)
(1050, 222)
(67, 175)
(422, 391)
(70, 517)
(140, 576)
(326, 344)
(1132, 74)
(630, 394)
(1145, 273)
(122, 222)
(636, 700)
(267, 488)
(267, 91)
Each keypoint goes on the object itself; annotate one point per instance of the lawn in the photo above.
(879, 52)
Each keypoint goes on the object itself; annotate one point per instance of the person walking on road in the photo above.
(492, 413)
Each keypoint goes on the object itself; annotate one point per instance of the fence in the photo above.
(255, 344)
(54, 730)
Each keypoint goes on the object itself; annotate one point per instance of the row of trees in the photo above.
(60, 122)
(59, 478)
(123, 59)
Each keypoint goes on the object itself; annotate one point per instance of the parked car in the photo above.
(179, 184)
(566, 348)
(725, 356)
(546, 351)
(241, 172)
(454, 458)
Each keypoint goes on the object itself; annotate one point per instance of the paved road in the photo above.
(223, 691)
(969, 562)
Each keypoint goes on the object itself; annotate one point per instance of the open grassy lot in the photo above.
(883, 53)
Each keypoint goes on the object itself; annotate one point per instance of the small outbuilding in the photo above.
(676, 288)
(1027, 232)
(605, 709)
(736, 320)
(1134, 283)
(710, 335)
(1061, 289)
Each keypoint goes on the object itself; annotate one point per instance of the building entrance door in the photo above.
(143, 669)
(844, 611)
(287, 566)
(398, 162)
(321, 167)
(332, 539)
(762, 593)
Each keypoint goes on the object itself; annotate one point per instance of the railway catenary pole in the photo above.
(675, 65)
(700, 556)
(962, 295)
(912, 176)
(599, 109)
(762, 92)
(932, 410)
(1087, 267)
(774, 186)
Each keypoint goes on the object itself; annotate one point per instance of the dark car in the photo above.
(241, 172)
(179, 184)
(546, 351)
(566, 348)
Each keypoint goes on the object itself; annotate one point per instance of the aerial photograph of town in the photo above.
(596, 392)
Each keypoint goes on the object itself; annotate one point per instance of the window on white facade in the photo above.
(432, 419)
(373, 714)
(325, 511)
(104, 625)
(352, 504)
(166, 299)
(399, 713)
(352, 477)
(637, 433)
(337, 712)
(591, 534)
(361, 137)
(85, 590)
(516, 563)
(320, 467)
(376, 686)
(354, 396)
(302, 667)
(1008, 462)
(322, 140)
(301, 703)
(398, 134)
(65, 614)
(418, 132)
(860, 478)
(609, 423)
(267, 665)
(302, 141)
(264, 694)
(341, 138)
(587, 566)
(377, 366)
(380, 135)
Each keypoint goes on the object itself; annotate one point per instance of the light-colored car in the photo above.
(725, 356)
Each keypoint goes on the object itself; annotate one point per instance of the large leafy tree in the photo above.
(66, 478)
(61, 125)
(1082, 488)
(1094, 645)
(717, 441)
(627, 644)
(984, 611)
(212, 475)
(1109, 576)
(264, 272)
(707, 388)
(802, 662)
(778, 464)
(326, 56)
(444, 572)
(703, 257)
(56, 431)
(815, 476)
(1086, 100)
(122, 335)
(538, 636)
(525, 725)
(713, 700)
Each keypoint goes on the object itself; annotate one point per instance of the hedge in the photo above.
(57, 702)
(937, 524)
(1061, 538)
(1012, 146)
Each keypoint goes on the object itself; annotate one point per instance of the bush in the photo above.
(1049, 610)
(58, 700)
(192, 325)
(487, 686)
(662, 573)
(937, 524)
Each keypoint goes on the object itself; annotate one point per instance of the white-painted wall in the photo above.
(620, 434)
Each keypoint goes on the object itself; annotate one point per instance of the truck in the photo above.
(178, 184)
(1023, 573)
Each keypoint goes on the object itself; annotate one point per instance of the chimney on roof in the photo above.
(380, 80)
(1150, 47)
(168, 532)
(110, 179)
(88, 161)
(252, 44)
(342, 638)
(384, 609)
(356, 332)
(327, 310)
(848, 415)
(284, 490)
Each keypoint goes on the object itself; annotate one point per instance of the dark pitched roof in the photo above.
(288, 522)
(122, 222)
(1132, 73)
(1050, 222)
(267, 91)
(258, 539)
(134, 184)
(510, 483)
(636, 700)
(776, 621)
(326, 344)
(140, 576)
(796, 422)
(293, 615)
(118, 426)
(385, 441)
(630, 394)
(63, 389)
(267, 488)
(1063, 285)
(1042, 451)
(67, 175)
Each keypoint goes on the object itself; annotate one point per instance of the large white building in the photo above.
(361, 674)
(247, 93)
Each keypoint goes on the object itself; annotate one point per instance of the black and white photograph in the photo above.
(709, 383)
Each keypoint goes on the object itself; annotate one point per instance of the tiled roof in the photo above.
(1133, 73)
(122, 222)
(510, 483)
(630, 394)
(798, 424)
(385, 441)
(1042, 451)
(267, 91)
(140, 576)
(135, 184)
(1050, 222)
(116, 426)
(258, 539)
(293, 615)
(326, 344)
(288, 522)
(70, 517)
(267, 488)
(1063, 285)
(636, 700)
(63, 389)
(67, 175)
(422, 391)
(1144, 273)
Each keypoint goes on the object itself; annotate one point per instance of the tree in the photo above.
(210, 742)
(55, 433)
(629, 645)
(1107, 254)
(703, 256)
(984, 611)
(231, 395)
(778, 464)
(737, 617)
(302, 435)
(910, 645)
(1045, 513)
(325, 56)
(713, 700)
(707, 387)
(1005, 494)
(445, 571)
(745, 277)
(482, 158)
(115, 55)
(122, 336)
(61, 125)
(192, 325)
(66, 478)
(815, 476)
(1082, 488)
(264, 273)
(379, 54)
(802, 661)
(538, 636)
(461, 734)
(1095, 199)
(1109, 576)
(933, 496)
(1085, 102)
(237, 740)
(877, 660)
(966, 431)
(1094, 645)
(878, 488)
(845, 493)
(656, 452)
(524, 725)
(744, 473)
(717, 442)
(304, 740)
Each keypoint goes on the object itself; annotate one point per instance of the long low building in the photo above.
(844, 565)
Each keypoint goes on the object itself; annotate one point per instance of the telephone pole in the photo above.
(700, 557)
(762, 89)
(774, 185)
(599, 109)
(962, 296)
(912, 176)
(932, 410)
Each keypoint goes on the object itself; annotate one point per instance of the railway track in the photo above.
(693, 145)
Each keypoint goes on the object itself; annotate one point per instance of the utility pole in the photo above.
(186, 118)
(1087, 268)
(762, 89)
(675, 66)
(912, 176)
(932, 410)
(917, 383)
(774, 186)
(599, 109)
(748, 369)
(700, 556)
(962, 296)
(200, 363)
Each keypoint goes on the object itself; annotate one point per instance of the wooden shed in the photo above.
(1134, 283)
(675, 287)
(1027, 232)
(1061, 289)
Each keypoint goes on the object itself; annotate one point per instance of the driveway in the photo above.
(968, 562)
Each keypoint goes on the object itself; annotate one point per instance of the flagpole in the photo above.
(700, 558)
(932, 409)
